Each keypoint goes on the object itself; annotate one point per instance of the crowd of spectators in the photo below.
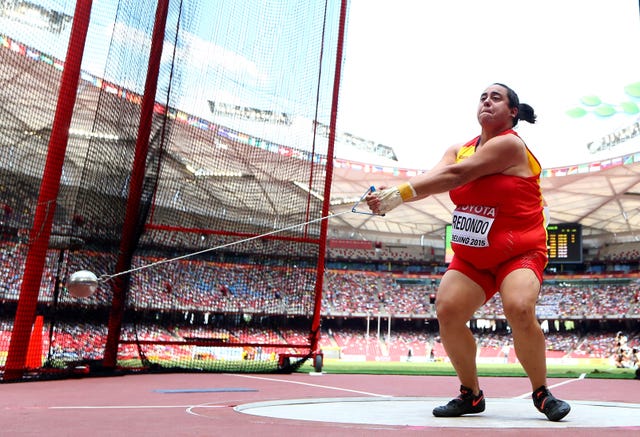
(383, 252)
(623, 252)
(201, 290)
(76, 341)
(255, 288)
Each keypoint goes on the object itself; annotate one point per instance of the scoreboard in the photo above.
(564, 243)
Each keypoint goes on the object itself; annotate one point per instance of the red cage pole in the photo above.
(315, 324)
(49, 189)
(128, 239)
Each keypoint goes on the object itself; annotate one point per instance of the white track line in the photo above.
(313, 385)
(131, 407)
(568, 381)
(189, 408)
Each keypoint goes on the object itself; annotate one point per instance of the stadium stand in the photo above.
(580, 315)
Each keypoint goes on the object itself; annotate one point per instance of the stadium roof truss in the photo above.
(606, 202)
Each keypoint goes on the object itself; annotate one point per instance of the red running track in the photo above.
(203, 404)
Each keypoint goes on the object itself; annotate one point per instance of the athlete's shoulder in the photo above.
(510, 140)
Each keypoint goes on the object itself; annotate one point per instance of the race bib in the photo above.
(471, 225)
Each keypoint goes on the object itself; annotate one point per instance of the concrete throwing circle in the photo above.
(416, 411)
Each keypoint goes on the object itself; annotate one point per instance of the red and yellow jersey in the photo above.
(497, 217)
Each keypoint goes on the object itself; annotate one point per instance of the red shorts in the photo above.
(491, 279)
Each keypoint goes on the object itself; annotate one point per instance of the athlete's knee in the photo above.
(445, 310)
(453, 311)
(520, 313)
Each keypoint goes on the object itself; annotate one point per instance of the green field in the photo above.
(439, 368)
(589, 368)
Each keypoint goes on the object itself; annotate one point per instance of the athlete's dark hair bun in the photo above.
(526, 113)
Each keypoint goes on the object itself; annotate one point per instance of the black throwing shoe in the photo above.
(546, 403)
(466, 403)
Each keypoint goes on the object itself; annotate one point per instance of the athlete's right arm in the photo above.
(383, 201)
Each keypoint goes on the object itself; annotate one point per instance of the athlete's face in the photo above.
(493, 108)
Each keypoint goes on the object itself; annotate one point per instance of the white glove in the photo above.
(394, 196)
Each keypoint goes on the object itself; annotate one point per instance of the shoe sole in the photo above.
(444, 414)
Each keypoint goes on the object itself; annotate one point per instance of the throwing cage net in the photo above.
(178, 150)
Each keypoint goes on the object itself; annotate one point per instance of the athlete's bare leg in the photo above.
(457, 299)
(519, 292)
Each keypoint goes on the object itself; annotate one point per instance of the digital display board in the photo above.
(564, 243)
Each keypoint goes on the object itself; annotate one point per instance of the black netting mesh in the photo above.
(199, 209)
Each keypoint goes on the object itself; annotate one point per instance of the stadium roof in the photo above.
(605, 200)
(603, 196)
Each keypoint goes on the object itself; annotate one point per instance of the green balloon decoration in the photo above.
(630, 108)
(593, 104)
(605, 110)
(576, 112)
(633, 89)
(591, 100)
